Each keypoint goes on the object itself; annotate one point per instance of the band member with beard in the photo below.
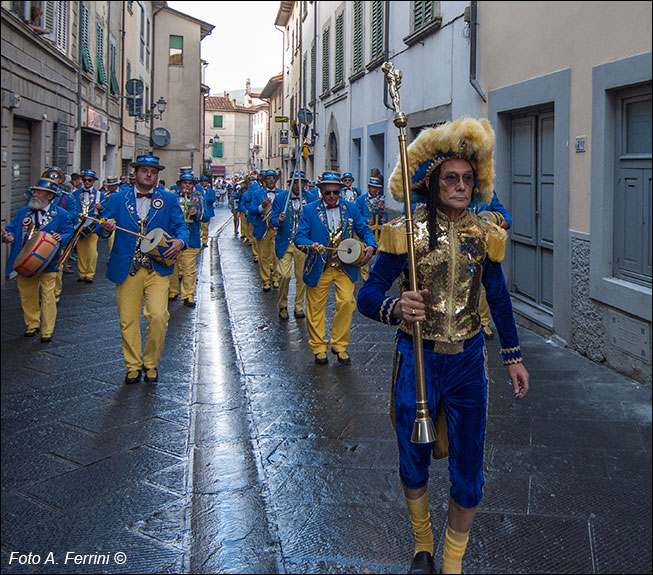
(140, 278)
(89, 202)
(285, 217)
(40, 214)
(191, 203)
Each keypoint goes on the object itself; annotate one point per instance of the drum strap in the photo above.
(139, 259)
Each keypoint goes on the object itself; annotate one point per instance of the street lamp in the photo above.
(212, 140)
(159, 107)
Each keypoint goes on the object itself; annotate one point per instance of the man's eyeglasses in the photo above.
(452, 179)
(88, 180)
(329, 192)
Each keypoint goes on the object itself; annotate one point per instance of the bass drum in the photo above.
(36, 254)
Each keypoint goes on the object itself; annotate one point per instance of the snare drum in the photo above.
(351, 251)
(36, 254)
(155, 244)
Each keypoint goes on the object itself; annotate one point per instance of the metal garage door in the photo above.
(21, 163)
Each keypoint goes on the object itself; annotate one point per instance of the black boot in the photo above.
(422, 563)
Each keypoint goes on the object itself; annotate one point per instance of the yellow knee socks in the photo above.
(454, 548)
(421, 521)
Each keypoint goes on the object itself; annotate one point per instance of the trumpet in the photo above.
(423, 428)
(188, 203)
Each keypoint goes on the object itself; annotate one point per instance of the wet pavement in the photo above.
(247, 457)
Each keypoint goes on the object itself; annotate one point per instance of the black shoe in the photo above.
(422, 563)
(321, 358)
(46, 339)
(174, 298)
(81, 279)
(189, 303)
(283, 313)
(266, 288)
(89, 280)
(133, 376)
(31, 332)
(343, 357)
(151, 375)
(275, 285)
(300, 315)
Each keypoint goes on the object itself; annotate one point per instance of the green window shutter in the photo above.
(217, 121)
(377, 31)
(304, 70)
(129, 70)
(176, 50)
(340, 49)
(313, 76)
(357, 35)
(217, 149)
(99, 55)
(326, 37)
(87, 62)
(422, 14)
(113, 80)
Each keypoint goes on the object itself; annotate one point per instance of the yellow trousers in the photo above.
(316, 298)
(150, 289)
(284, 271)
(246, 228)
(484, 309)
(204, 233)
(186, 267)
(87, 256)
(267, 259)
(35, 313)
(58, 284)
(110, 240)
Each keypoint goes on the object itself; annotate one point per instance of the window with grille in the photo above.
(101, 75)
(339, 59)
(357, 37)
(376, 31)
(176, 50)
(87, 62)
(326, 38)
(128, 70)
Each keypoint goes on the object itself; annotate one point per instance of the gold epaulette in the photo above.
(393, 237)
(497, 238)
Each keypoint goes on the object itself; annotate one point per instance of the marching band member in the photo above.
(191, 203)
(139, 278)
(349, 192)
(111, 187)
(209, 209)
(285, 217)
(233, 199)
(41, 214)
(324, 224)
(372, 207)
(250, 185)
(89, 202)
(455, 253)
(260, 208)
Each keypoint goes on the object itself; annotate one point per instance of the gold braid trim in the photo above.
(510, 349)
(393, 237)
(511, 361)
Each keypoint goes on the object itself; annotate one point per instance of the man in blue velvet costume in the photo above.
(455, 253)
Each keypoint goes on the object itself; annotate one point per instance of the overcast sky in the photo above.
(244, 43)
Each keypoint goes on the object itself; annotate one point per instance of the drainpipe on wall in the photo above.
(473, 25)
(283, 88)
(152, 96)
(78, 128)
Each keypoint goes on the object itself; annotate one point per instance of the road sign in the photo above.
(134, 87)
(281, 118)
(305, 116)
(283, 138)
(160, 137)
(135, 106)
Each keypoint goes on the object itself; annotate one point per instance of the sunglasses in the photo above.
(88, 180)
(328, 193)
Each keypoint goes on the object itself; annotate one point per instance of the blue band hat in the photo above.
(204, 179)
(297, 175)
(147, 160)
(54, 174)
(89, 174)
(269, 173)
(47, 186)
(375, 182)
(465, 138)
(348, 175)
(184, 175)
(252, 178)
(113, 180)
(329, 178)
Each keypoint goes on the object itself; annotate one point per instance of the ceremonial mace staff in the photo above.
(423, 428)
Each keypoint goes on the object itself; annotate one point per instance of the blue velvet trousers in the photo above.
(460, 381)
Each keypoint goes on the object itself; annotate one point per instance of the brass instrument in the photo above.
(187, 203)
(423, 428)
